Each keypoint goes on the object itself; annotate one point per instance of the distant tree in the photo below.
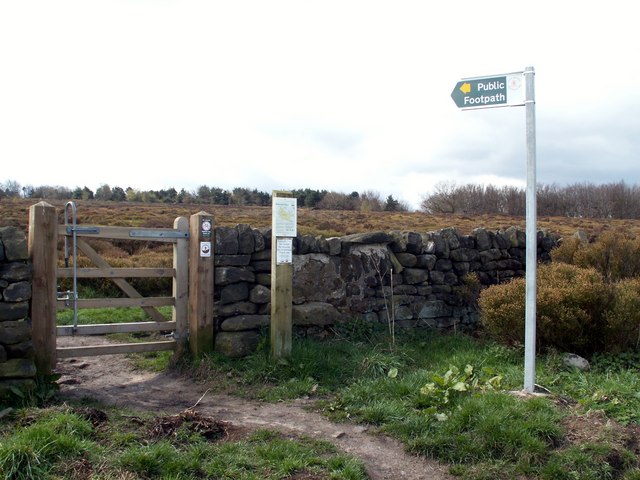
(314, 197)
(10, 188)
(337, 201)
(118, 194)
(82, 194)
(260, 198)
(56, 192)
(513, 201)
(103, 193)
(445, 199)
(245, 196)
(612, 200)
(391, 204)
(133, 195)
(203, 194)
(240, 196)
(27, 191)
(308, 197)
(149, 196)
(87, 193)
(169, 195)
(220, 196)
(184, 196)
(370, 202)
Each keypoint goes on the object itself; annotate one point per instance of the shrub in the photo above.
(571, 306)
(566, 251)
(615, 255)
(622, 330)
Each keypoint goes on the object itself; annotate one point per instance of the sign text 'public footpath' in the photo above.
(486, 92)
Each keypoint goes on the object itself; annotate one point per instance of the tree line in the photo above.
(609, 200)
(321, 199)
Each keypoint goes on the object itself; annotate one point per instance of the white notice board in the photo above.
(284, 250)
(284, 217)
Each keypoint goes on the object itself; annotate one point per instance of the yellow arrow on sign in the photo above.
(465, 88)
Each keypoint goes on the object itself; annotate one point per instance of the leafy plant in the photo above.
(440, 395)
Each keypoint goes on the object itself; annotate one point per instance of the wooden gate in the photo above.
(43, 245)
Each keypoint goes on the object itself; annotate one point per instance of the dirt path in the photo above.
(112, 379)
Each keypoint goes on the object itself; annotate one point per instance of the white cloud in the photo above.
(338, 95)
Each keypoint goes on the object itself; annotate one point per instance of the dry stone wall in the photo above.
(17, 367)
(418, 279)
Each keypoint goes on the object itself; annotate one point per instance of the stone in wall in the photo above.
(17, 367)
(226, 241)
(235, 292)
(244, 322)
(316, 277)
(13, 244)
(237, 344)
(260, 294)
(315, 314)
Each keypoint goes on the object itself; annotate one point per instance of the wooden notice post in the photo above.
(283, 230)
(43, 238)
(201, 272)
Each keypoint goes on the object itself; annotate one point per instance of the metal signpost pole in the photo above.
(532, 237)
(506, 91)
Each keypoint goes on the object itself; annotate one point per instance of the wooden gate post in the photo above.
(201, 275)
(43, 248)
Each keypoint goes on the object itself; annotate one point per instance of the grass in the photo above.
(615, 391)
(481, 432)
(72, 442)
(92, 316)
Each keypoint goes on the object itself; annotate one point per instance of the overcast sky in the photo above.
(336, 95)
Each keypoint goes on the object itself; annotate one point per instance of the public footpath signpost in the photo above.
(507, 90)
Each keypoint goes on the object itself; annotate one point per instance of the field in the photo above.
(443, 398)
(328, 223)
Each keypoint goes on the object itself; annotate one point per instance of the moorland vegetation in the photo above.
(447, 397)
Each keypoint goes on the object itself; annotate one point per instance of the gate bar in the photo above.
(118, 348)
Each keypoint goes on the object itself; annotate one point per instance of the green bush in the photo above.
(566, 251)
(622, 332)
(571, 306)
(615, 255)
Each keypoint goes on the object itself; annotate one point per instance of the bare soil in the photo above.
(113, 380)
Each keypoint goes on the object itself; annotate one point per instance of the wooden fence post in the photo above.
(201, 275)
(43, 249)
(180, 310)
